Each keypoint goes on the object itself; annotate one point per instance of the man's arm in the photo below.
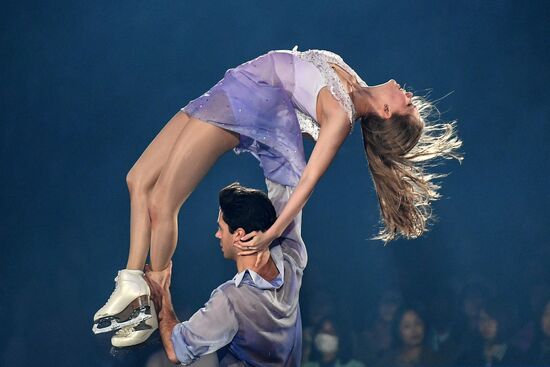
(166, 315)
(208, 330)
(167, 321)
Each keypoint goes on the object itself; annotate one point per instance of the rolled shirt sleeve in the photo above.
(208, 330)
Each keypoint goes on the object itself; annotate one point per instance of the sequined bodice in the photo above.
(322, 60)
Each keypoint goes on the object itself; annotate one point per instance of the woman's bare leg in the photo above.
(140, 180)
(196, 149)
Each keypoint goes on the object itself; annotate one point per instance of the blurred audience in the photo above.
(539, 355)
(533, 303)
(318, 307)
(331, 347)
(444, 337)
(376, 339)
(473, 297)
(491, 345)
(410, 348)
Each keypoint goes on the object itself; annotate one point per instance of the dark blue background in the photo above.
(87, 85)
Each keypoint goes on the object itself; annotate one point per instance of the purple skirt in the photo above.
(254, 101)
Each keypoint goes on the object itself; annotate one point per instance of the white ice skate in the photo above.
(128, 305)
(133, 335)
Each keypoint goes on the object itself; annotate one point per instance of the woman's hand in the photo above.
(255, 242)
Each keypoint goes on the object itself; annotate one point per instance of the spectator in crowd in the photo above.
(539, 354)
(409, 336)
(307, 344)
(331, 347)
(376, 339)
(443, 337)
(473, 298)
(537, 291)
(492, 347)
(317, 308)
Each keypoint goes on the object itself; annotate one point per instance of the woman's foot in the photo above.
(138, 334)
(128, 305)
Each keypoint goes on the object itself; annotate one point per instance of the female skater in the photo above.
(263, 106)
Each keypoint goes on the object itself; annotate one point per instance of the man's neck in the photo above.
(266, 268)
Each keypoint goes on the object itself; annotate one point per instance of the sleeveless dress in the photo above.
(270, 101)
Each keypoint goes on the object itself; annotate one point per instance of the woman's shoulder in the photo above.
(314, 54)
(320, 56)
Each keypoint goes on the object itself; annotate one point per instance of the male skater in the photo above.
(256, 315)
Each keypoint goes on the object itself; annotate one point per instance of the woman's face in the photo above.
(545, 320)
(411, 329)
(393, 99)
(488, 327)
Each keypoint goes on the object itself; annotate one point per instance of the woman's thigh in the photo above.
(194, 152)
(147, 168)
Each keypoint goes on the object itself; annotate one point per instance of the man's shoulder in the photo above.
(231, 293)
(226, 287)
(224, 293)
(294, 251)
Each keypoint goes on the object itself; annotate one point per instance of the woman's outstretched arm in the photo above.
(334, 131)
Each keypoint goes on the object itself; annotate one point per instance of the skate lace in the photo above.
(116, 287)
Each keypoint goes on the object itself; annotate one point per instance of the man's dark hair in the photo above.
(246, 208)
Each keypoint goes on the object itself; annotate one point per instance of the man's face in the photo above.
(226, 238)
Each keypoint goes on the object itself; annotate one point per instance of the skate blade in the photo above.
(138, 310)
(114, 325)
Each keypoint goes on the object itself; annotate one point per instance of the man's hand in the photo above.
(156, 292)
(163, 303)
(160, 295)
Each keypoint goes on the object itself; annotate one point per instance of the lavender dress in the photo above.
(270, 101)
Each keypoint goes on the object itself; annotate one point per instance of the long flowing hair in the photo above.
(400, 150)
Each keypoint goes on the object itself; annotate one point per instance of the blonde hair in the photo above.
(399, 151)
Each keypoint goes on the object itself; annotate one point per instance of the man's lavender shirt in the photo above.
(260, 320)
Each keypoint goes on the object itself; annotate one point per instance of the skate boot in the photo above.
(137, 334)
(128, 305)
